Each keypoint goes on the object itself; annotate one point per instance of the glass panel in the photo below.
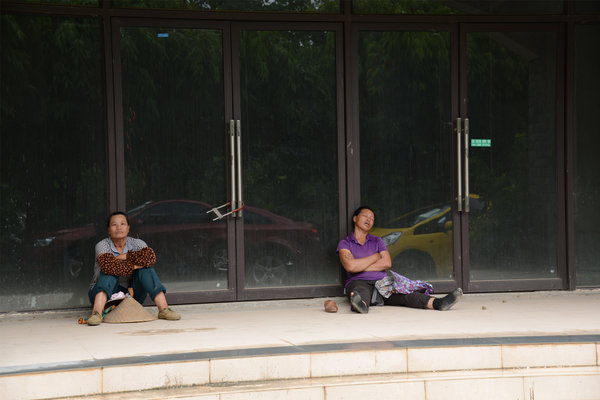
(461, 7)
(587, 6)
(405, 147)
(52, 152)
(173, 105)
(288, 91)
(320, 6)
(92, 3)
(511, 80)
(587, 163)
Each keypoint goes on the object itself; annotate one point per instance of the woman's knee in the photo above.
(146, 280)
(145, 273)
(106, 283)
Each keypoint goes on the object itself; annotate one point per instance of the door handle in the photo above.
(459, 200)
(467, 207)
(236, 204)
(239, 201)
(232, 164)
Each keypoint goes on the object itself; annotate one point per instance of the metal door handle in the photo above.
(232, 166)
(459, 163)
(239, 201)
(466, 156)
(236, 204)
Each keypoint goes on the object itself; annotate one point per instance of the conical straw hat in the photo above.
(129, 310)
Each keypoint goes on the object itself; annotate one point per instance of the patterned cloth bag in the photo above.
(397, 283)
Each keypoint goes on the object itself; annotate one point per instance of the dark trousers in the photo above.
(366, 288)
(144, 282)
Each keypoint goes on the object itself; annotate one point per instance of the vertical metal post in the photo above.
(466, 155)
(232, 163)
(239, 202)
(459, 200)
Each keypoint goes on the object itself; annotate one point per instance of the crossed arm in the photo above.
(125, 264)
(375, 262)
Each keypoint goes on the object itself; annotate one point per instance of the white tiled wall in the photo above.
(568, 371)
(381, 391)
(493, 388)
(454, 358)
(260, 368)
(549, 355)
(358, 362)
(48, 385)
(151, 376)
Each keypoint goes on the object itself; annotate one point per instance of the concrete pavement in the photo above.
(54, 341)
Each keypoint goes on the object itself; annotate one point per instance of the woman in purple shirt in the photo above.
(366, 260)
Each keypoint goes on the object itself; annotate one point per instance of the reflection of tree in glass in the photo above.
(53, 137)
(404, 80)
(236, 5)
(288, 84)
(173, 103)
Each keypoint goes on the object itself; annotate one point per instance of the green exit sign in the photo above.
(481, 142)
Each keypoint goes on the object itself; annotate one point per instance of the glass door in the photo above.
(242, 119)
(511, 134)
(406, 160)
(460, 144)
(174, 151)
(286, 95)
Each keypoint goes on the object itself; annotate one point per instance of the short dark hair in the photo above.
(116, 213)
(359, 209)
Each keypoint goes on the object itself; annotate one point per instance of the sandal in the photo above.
(330, 306)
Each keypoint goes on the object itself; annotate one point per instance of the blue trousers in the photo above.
(144, 282)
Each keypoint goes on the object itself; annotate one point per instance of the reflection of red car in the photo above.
(185, 238)
(183, 234)
(68, 252)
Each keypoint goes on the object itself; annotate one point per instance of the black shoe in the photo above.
(358, 304)
(451, 299)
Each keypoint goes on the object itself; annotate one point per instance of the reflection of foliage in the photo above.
(508, 71)
(236, 5)
(51, 105)
(442, 7)
(493, 173)
(586, 183)
(400, 7)
(13, 219)
(93, 3)
(289, 105)
(405, 130)
(174, 119)
(404, 104)
(173, 97)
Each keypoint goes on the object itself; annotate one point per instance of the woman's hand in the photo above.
(124, 257)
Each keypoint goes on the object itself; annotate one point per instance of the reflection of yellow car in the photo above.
(420, 242)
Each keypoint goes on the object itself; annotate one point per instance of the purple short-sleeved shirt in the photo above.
(373, 244)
